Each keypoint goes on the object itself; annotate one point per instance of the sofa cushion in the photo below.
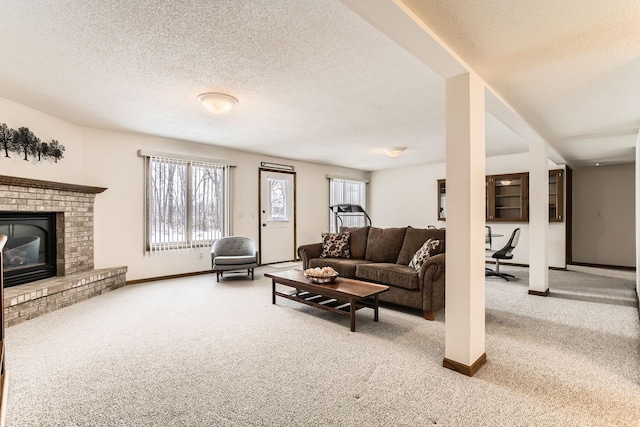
(358, 240)
(344, 267)
(401, 276)
(422, 255)
(384, 244)
(415, 238)
(335, 245)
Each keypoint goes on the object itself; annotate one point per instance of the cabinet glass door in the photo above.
(442, 200)
(556, 200)
(509, 194)
(507, 197)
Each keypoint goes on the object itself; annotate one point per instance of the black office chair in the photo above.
(504, 253)
(487, 238)
(487, 241)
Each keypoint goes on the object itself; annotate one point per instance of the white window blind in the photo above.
(347, 191)
(187, 203)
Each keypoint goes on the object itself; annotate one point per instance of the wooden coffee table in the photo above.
(344, 296)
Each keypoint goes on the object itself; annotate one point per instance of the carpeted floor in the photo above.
(290, 264)
(193, 352)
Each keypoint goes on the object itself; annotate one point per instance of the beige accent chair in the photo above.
(233, 253)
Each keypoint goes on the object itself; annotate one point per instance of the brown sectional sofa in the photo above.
(382, 256)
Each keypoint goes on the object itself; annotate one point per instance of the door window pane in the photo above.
(278, 199)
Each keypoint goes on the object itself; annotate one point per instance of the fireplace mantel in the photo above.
(49, 185)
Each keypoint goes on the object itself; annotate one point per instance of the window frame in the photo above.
(362, 199)
(188, 220)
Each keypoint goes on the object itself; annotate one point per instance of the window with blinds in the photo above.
(186, 203)
(348, 191)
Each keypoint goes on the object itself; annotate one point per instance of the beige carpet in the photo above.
(193, 352)
(288, 264)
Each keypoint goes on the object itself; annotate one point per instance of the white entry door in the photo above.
(277, 222)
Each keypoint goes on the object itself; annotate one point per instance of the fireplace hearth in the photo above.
(30, 252)
(62, 245)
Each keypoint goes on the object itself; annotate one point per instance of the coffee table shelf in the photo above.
(323, 302)
(344, 296)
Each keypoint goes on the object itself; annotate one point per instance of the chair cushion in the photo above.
(234, 260)
(335, 245)
(344, 267)
(391, 274)
(358, 240)
(415, 238)
(422, 255)
(231, 267)
(384, 244)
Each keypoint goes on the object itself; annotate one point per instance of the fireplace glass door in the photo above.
(30, 251)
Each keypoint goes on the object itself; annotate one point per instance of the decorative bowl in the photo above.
(320, 275)
(321, 280)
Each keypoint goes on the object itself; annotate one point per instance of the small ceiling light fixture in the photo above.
(394, 151)
(217, 103)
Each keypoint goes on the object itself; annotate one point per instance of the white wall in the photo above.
(409, 196)
(45, 127)
(109, 159)
(604, 226)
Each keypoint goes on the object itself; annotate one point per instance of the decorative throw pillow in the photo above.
(335, 245)
(423, 254)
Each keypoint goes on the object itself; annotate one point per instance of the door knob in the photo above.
(264, 224)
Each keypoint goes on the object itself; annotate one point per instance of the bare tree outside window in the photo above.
(207, 203)
(168, 202)
(185, 203)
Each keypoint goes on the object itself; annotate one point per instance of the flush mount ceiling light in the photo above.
(217, 103)
(394, 151)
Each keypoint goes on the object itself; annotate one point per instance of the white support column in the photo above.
(638, 214)
(538, 218)
(465, 294)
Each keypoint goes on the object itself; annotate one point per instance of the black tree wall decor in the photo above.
(24, 143)
(6, 139)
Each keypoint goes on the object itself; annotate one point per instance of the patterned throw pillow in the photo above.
(423, 254)
(335, 245)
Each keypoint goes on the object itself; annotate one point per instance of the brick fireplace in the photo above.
(76, 278)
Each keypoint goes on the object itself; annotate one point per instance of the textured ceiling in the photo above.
(571, 68)
(316, 82)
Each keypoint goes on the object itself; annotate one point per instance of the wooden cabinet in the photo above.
(556, 191)
(442, 198)
(507, 197)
